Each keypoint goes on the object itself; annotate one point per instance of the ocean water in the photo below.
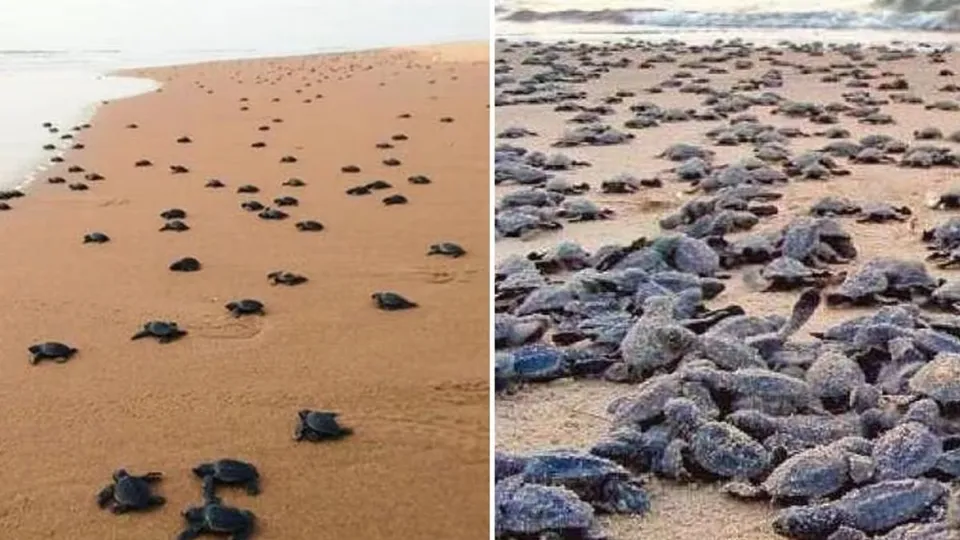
(55, 55)
(911, 21)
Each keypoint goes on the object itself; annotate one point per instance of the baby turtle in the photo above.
(391, 162)
(175, 225)
(95, 238)
(252, 206)
(281, 277)
(51, 350)
(394, 199)
(78, 186)
(258, 144)
(881, 213)
(419, 180)
(286, 201)
(164, 331)
(230, 472)
(178, 169)
(248, 188)
(214, 183)
(245, 306)
(309, 225)
(535, 511)
(273, 213)
(350, 169)
(316, 426)
(214, 517)
(294, 182)
(186, 264)
(173, 213)
(288, 159)
(378, 184)
(143, 163)
(128, 492)
(447, 248)
(184, 140)
(391, 301)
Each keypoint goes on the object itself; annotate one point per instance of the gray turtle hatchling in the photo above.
(391, 301)
(245, 306)
(128, 492)
(214, 517)
(316, 426)
(164, 331)
(448, 249)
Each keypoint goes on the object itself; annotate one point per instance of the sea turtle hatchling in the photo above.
(309, 226)
(281, 277)
(164, 331)
(533, 511)
(186, 264)
(448, 249)
(391, 301)
(214, 517)
(882, 212)
(51, 350)
(317, 426)
(231, 472)
(175, 225)
(173, 213)
(245, 306)
(95, 238)
(128, 492)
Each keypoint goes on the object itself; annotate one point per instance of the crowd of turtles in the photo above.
(128, 492)
(854, 431)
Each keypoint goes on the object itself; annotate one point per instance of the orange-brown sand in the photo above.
(572, 414)
(412, 384)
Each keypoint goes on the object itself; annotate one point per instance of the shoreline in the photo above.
(413, 385)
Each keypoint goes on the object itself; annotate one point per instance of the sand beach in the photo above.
(412, 384)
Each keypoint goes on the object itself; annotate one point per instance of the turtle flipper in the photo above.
(105, 496)
(253, 487)
(191, 532)
(140, 335)
(805, 307)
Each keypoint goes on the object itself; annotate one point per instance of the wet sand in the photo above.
(412, 384)
(572, 414)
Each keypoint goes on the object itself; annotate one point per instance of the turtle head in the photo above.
(193, 515)
(203, 470)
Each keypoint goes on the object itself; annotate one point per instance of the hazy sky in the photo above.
(237, 24)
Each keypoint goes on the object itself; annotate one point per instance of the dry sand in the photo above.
(573, 413)
(412, 384)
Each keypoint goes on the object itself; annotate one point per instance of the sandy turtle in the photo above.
(786, 273)
(448, 249)
(394, 199)
(533, 511)
(391, 301)
(245, 306)
(230, 472)
(78, 186)
(178, 169)
(130, 493)
(51, 350)
(419, 180)
(272, 214)
(214, 183)
(252, 206)
(248, 188)
(309, 225)
(317, 426)
(164, 331)
(286, 200)
(288, 159)
(294, 182)
(882, 212)
(350, 169)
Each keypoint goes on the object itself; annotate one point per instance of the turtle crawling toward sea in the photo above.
(51, 350)
(214, 517)
(186, 264)
(309, 225)
(128, 492)
(317, 426)
(281, 277)
(173, 213)
(391, 301)
(246, 306)
(175, 225)
(164, 331)
(95, 238)
(447, 248)
(231, 472)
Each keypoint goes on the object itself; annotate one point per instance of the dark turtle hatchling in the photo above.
(309, 225)
(214, 517)
(419, 179)
(230, 472)
(281, 277)
(880, 213)
(245, 306)
(173, 213)
(378, 184)
(175, 225)
(391, 301)
(164, 331)
(294, 182)
(273, 214)
(186, 264)
(395, 199)
(535, 511)
(128, 492)
(286, 201)
(447, 248)
(51, 350)
(95, 238)
(252, 206)
(214, 183)
(248, 188)
(316, 426)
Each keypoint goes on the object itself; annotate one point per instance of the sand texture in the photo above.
(570, 413)
(412, 384)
